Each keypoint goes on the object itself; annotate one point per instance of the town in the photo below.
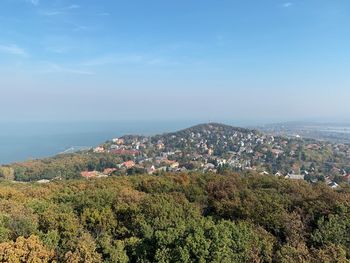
(216, 148)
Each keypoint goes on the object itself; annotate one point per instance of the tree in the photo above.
(7, 173)
(335, 230)
(293, 254)
(330, 254)
(85, 251)
(25, 250)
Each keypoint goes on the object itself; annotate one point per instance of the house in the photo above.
(278, 174)
(87, 174)
(109, 171)
(118, 141)
(171, 163)
(151, 169)
(333, 185)
(92, 174)
(129, 164)
(43, 181)
(295, 176)
(99, 149)
(160, 146)
(209, 166)
(174, 165)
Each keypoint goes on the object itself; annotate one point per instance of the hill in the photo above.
(206, 147)
(213, 128)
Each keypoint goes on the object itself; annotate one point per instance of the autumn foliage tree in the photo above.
(188, 217)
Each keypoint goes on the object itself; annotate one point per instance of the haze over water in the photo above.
(26, 140)
(21, 141)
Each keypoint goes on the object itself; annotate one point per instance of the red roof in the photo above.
(108, 171)
(129, 164)
(87, 174)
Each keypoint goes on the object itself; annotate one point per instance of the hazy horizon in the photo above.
(266, 61)
(190, 122)
(26, 140)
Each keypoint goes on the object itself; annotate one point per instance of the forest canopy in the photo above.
(174, 218)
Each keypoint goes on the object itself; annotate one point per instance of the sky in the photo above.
(207, 60)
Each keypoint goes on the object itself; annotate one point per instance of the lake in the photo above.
(30, 140)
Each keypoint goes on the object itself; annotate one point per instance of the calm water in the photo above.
(23, 141)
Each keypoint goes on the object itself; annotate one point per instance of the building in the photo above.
(92, 174)
(129, 164)
(87, 174)
(295, 176)
(109, 171)
(43, 181)
(99, 149)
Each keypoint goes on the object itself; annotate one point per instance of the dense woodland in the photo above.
(174, 218)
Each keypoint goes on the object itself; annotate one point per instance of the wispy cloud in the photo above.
(287, 4)
(56, 68)
(33, 2)
(59, 11)
(13, 50)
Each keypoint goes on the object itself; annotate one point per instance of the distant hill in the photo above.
(205, 147)
(213, 127)
(206, 137)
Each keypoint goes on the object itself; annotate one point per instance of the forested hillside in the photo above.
(174, 218)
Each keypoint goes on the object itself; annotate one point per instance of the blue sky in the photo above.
(176, 60)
